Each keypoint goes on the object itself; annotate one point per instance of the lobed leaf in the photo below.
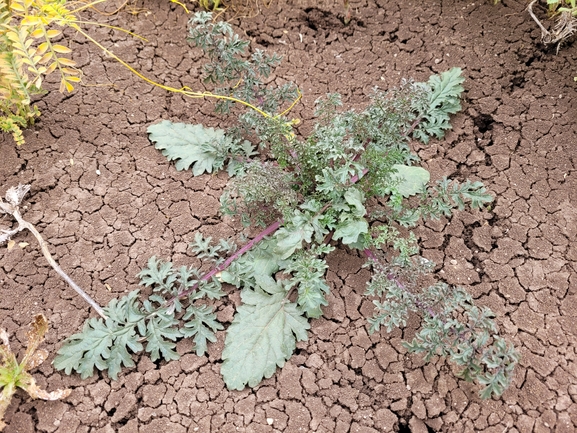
(201, 324)
(444, 99)
(411, 180)
(189, 145)
(262, 335)
(157, 273)
(104, 344)
(161, 332)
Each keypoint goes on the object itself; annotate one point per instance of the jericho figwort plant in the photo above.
(353, 182)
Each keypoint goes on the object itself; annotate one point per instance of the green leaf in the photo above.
(161, 332)
(157, 273)
(290, 237)
(189, 145)
(104, 345)
(412, 179)
(355, 197)
(308, 271)
(350, 230)
(200, 323)
(445, 92)
(262, 336)
(311, 297)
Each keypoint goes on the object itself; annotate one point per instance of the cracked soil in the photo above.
(106, 201)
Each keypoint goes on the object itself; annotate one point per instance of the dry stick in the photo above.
(22, 224)
(544, 32)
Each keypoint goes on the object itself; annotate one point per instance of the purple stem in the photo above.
(355, 178)
(413, 126)
(268, 231)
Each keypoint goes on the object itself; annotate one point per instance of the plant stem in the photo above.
(413, 126)
(44, 247)
(266, 232)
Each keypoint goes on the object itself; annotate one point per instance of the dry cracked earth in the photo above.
(106, 201)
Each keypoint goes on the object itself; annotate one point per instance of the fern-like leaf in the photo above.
(158, 274)
(201, 324)
(444, 99)
(160, 333)
(104, 344)
(189, 145)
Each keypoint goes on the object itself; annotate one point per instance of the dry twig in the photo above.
(563, 29)
(11, 206)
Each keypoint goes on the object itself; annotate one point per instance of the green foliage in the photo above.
(352, 181)
(109, 344)
(206, 149)
(411, 180)
(239, 77)
(560, 6)
(263, 334)
(452, 325)
(444, 99)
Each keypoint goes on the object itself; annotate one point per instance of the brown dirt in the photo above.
(516, 134)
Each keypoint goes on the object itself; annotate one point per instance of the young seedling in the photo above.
(352, 181)
(15, 375)
(11, 206)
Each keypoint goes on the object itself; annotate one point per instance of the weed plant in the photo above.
(352, 182)
(14, 374)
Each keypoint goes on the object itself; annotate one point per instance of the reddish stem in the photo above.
(268, 231)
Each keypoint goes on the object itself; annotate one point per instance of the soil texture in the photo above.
(106, 200)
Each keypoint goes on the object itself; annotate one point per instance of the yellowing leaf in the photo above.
(19, 52)
(69, 71)
(13, 36)
(14, 374)
(61, 49)
(31, 21)
(38, 81)
(38, 33)
(65, 85)
(41, 49)
(17, 7)
(74, 79)
(52, 33)
(51, 68)
(28, 61)
(45, 58)
(11, 244)
(66, 62)
(23, 244)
